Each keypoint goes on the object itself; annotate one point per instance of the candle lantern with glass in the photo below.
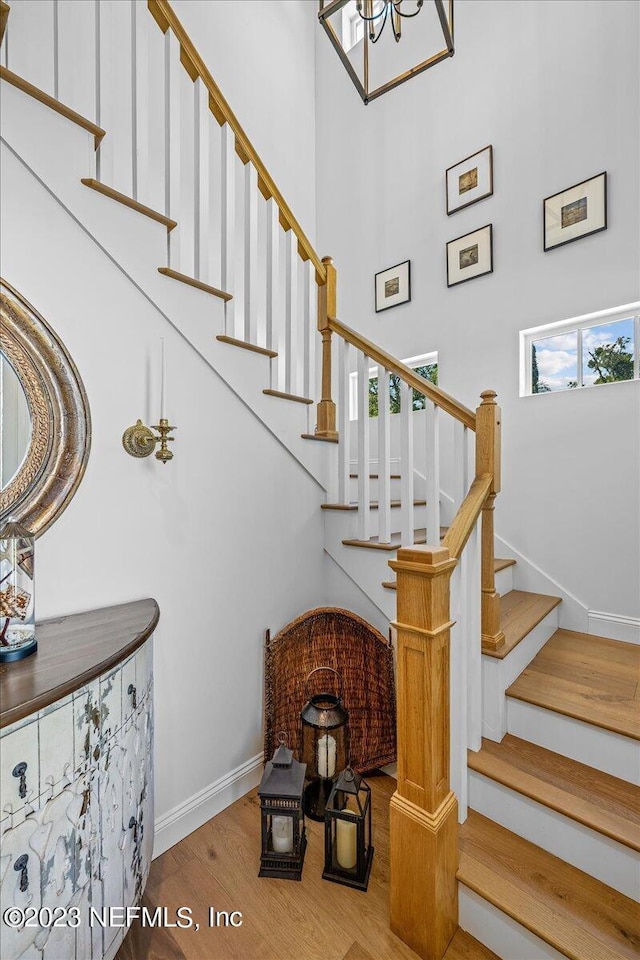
(348, 853)
(325, 744)
(17, 610)
(283, 832)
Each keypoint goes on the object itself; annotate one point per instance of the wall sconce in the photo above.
(140, 440)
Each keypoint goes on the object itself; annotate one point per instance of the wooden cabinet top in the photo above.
(72, 651)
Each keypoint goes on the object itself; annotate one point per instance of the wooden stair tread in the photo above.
(193, 282)
(465, 947)
(376, 476)
(576, 914)
(419, 536)
(253, 347)
(287, 396)
(589, 678)
(520, 612)
(497, 566)
(373, 505)
(320, 439)
(49, 101)
(604, 803)
(129, 202)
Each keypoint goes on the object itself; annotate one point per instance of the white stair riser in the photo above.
(590, 851)
(506, 937)
(607, 751)
(498, 675)
(350, 522)
(504, 581)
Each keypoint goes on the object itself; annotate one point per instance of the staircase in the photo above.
(544, 721)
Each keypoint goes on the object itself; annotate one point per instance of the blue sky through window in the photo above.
(557, 357)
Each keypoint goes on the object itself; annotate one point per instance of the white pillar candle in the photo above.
(282, 834)
(346, 844)
(326, 756)
(162, 378)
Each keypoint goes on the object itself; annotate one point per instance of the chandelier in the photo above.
(354, 26)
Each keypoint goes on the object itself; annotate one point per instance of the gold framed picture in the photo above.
(575, 212)
(470, 180)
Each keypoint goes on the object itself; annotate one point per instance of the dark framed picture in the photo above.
(470, 256)
(470, 180)
(575, 212)
(393, 286)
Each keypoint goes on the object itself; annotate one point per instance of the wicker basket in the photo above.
(331, 637)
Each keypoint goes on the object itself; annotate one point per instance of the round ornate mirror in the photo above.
(46, 424)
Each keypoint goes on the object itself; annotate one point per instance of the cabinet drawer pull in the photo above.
(21, 867)
(20, 771)
(133, 694)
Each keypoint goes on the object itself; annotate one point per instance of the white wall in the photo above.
(261, 54)
(554, 86)
(227, 537)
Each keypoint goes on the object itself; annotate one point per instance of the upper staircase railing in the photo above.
(169, 145)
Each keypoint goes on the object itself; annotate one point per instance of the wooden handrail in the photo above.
(467, 515)
(438, 396)
(195, 66)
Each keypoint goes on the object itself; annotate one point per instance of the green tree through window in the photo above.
(429, 371)
(612, 361)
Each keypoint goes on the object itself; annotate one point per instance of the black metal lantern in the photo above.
(348, 853)
(325, 745)
(283, 832)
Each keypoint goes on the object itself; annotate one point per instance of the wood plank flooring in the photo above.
(217, 866)
(579, 916)
(586, 677)
(595, 799)
(520, 612)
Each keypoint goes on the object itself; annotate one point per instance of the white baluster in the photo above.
(291, 312)
(343, 421)
(140, 98)
(406, 464)
(116, 85)
(384, 457)
(364, 456)
(473, 641)
(433, 472)
(76, 57)
(151, 109)
(458, 693)
(202, 199)
(173, 71)
(185, 233)
(228, 206)
(250, 253)
(310, 328)
(273, 277)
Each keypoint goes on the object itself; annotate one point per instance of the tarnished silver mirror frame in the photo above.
(61, 421)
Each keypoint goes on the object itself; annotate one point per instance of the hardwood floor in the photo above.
(282, 920)
(587, 677)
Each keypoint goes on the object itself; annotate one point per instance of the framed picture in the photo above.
(575, 212)
(470, 180)
(470, 256)
(393, 286)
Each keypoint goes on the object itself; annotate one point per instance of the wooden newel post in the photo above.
(424, 811)
(488, 461)
(326, 423)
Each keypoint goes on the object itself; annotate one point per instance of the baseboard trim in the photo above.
(187, 816)
(615, 626)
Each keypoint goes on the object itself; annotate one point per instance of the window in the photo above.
(586, 351)
(425, 365)
(353, 25)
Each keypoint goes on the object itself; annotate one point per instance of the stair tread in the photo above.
(376, 476)
(244, 345)
(497, 566)
(589, 678)
(122, 198)
(520, 612)
(287, 396)
(598, 800)
(465, 947)
(373, 505)
(578, 915)
(194, 282)
(419, 536)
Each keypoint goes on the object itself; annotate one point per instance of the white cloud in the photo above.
(551, 362)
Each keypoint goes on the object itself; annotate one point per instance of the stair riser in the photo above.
(603, 858)
(375, 489)
(351, 522)
(610, 752)
(498, 675)
(504, 581)
(506, 937)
